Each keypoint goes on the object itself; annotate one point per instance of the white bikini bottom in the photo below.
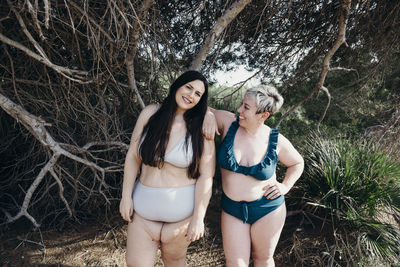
(163, 204)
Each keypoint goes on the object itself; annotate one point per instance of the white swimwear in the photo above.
(179, 156)
(171, 204)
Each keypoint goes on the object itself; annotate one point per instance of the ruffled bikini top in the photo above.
(261, 171)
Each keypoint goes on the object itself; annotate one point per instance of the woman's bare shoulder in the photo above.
(148, 111)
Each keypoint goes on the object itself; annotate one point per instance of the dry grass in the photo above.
(89, 246)
(100, 244)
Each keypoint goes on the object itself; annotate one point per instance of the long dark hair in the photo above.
(157, 130)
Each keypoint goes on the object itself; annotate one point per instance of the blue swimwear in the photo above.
(249, 211)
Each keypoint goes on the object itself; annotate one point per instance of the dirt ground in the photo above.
(90, 246)
(99, 244)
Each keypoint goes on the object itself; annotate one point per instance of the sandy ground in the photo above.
(99, 244)
(90, 246)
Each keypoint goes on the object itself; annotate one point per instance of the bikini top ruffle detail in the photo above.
(261, 171)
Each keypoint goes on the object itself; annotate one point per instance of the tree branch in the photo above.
(341, 39)
(27, 33)
(25, 205)
(384, 128)
(133, 48)
(328, 95)
(37, 127)
(61, 192)
(229, 15)
(77, 7)
(47, 13)
(33, 12)
(342, 69)
(73, 75)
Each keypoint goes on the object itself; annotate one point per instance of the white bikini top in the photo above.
(179, 156)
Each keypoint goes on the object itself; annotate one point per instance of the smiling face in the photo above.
(248, 116)
(188, 95)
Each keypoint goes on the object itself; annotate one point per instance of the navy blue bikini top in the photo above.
(261, 171)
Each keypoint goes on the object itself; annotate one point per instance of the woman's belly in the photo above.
(240, 187)
(167, 177)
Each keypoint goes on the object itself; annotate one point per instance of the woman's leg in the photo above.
(265, 235)
(143, 241)
(174, 244)
(236, 240)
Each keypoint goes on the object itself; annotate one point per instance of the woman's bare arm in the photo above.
(203, 191)
(215, 122)
(294, 162)
(132, 163)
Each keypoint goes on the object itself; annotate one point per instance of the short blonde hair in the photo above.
(267, 98)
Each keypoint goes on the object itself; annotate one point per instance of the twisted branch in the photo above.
(37, 127)
(229, 15)
(341, 39)
(73, 75)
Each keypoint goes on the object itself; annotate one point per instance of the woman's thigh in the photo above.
(173, 238)
(143, 241)
(265, 233)
(236, 240)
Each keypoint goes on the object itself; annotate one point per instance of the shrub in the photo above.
(357, 186)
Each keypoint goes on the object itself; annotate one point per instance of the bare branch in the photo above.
(341, 69)
(120, 144)
(61, 191)
(13, 74)
(133, 48)
(341, 38)
(27, 33)
(328, 95)
(73, 75)
(72, 3)
(122, 14)
(70, 17)
(229, 15)
(25, 205)
(47, 13)
(33, 12)
(132, 81)
(384, 128)
(37, 127)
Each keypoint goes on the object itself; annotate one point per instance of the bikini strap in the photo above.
(273, 139)
(232, 130)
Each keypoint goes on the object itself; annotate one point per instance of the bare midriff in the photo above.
(240, 187)
(166, 177)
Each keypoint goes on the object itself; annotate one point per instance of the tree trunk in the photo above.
(133, 48)
(229, 15)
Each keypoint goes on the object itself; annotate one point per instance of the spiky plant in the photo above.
(359, 187)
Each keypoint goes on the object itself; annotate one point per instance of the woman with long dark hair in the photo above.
(174, 164)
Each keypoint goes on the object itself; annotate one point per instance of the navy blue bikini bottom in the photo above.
(250, 211)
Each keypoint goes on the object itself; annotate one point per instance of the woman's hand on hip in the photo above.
(195, 230)
(126, 209)
(275, 190)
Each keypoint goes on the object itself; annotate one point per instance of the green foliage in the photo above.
(226, 97)
(359, 188)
